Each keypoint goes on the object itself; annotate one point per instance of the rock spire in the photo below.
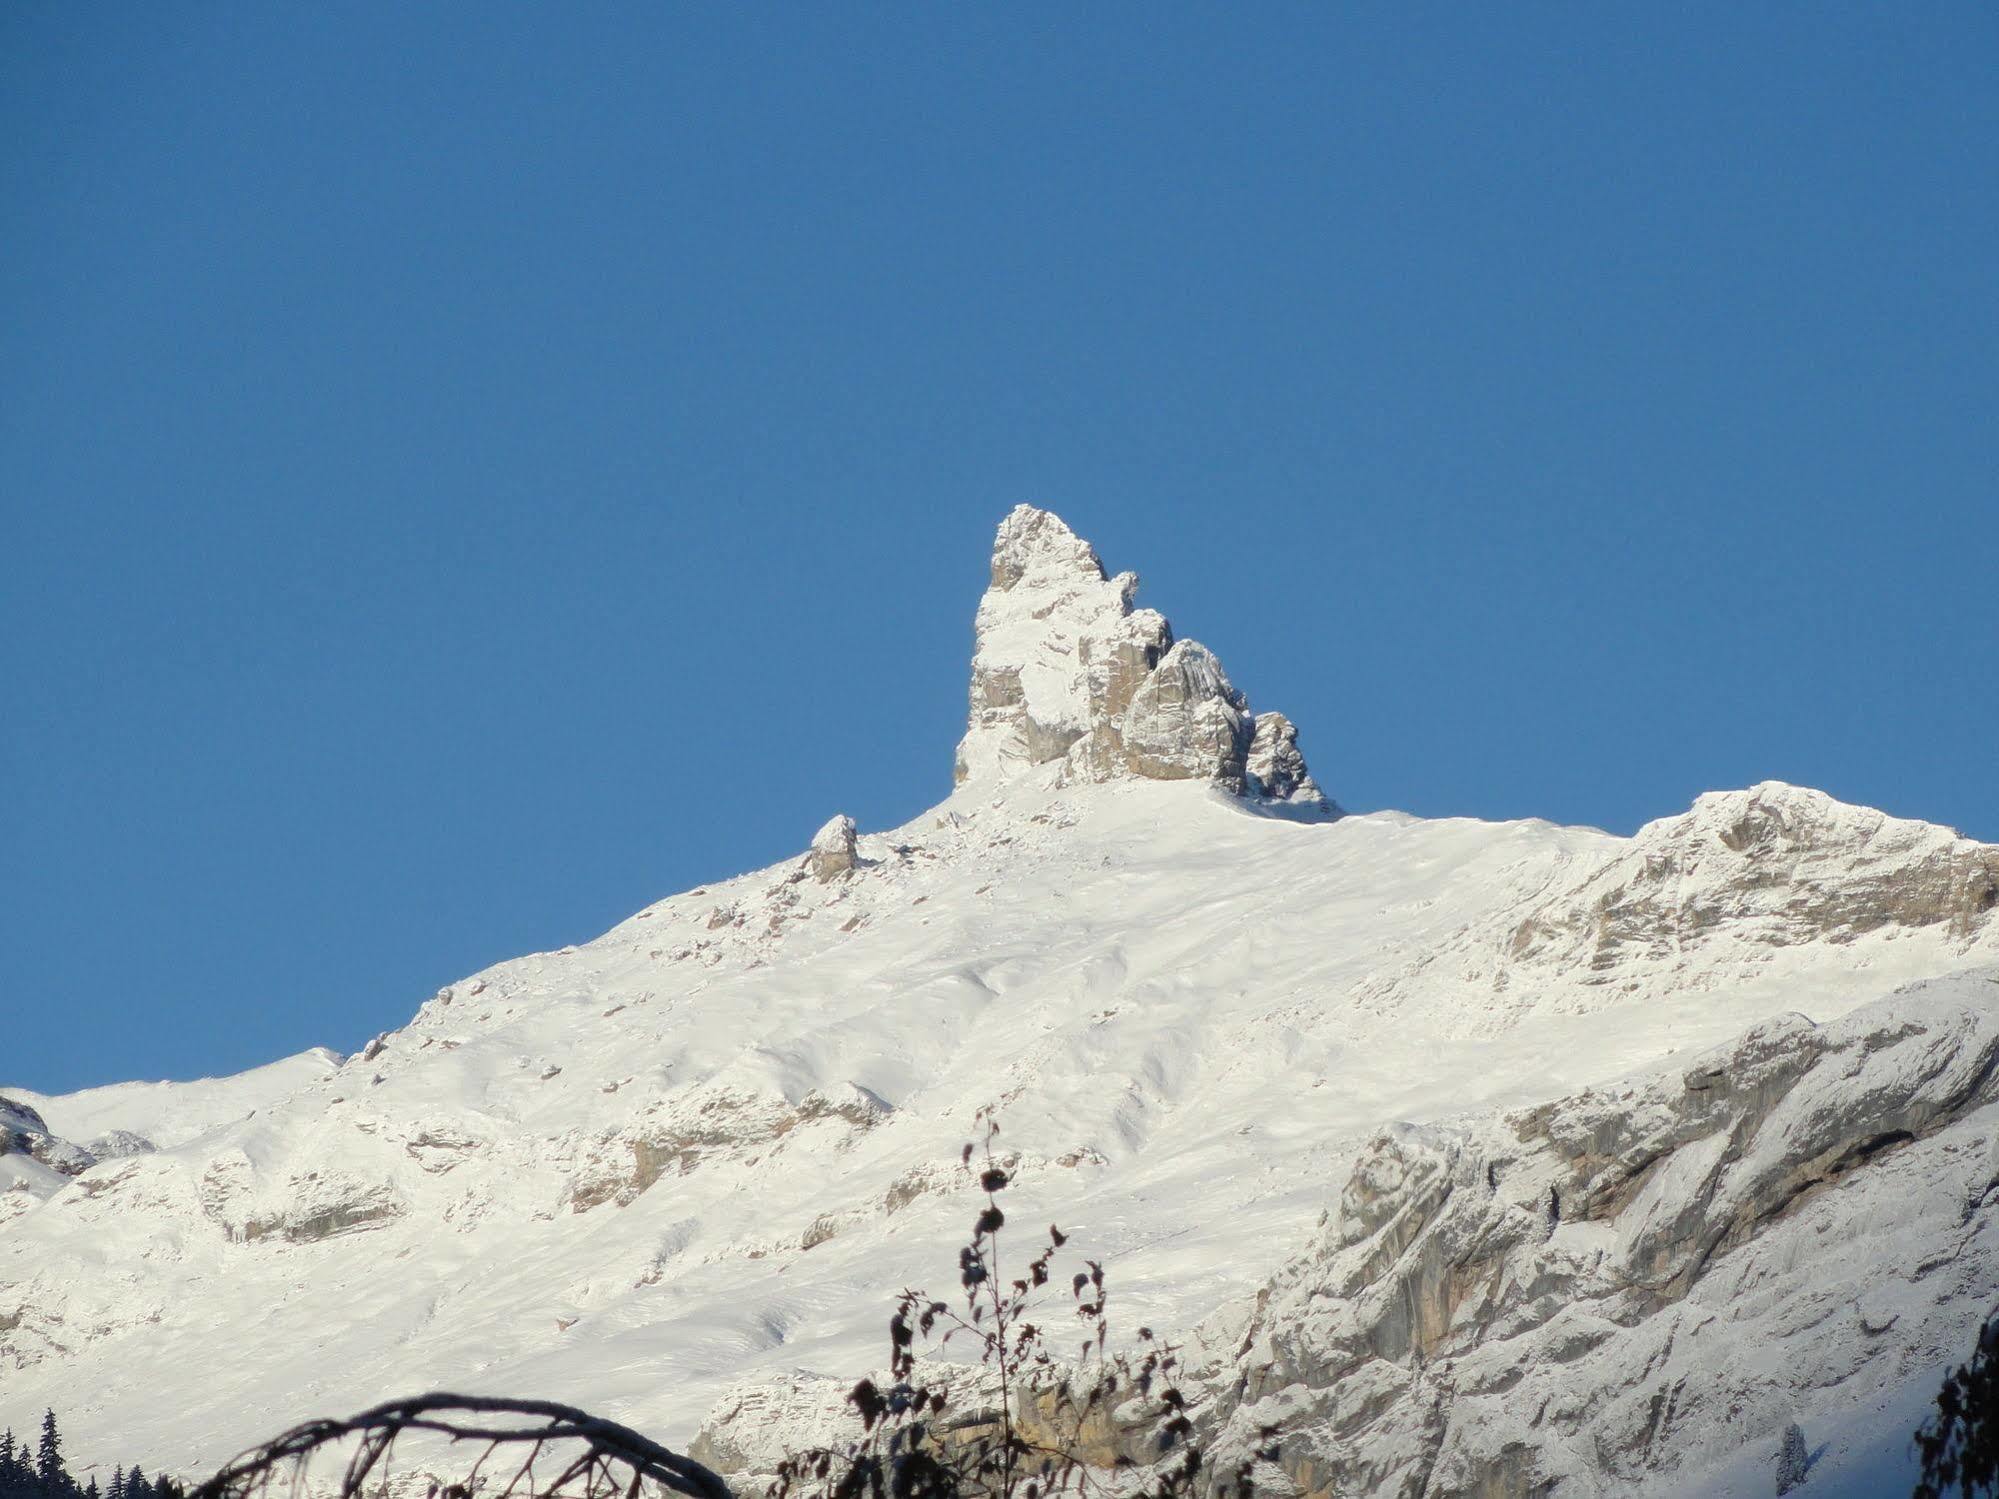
(1065, 669)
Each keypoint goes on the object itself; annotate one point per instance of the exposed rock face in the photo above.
(1772, 866)
(1067, 670)
(1275, 768)
(118, 1143)
(365, 1209)
(1117, 662)
(319, 1202)
(1186, 722)
(1049, 612)
(832, 854)
(715, 1125)
(1553, 1303)
(23, 1132)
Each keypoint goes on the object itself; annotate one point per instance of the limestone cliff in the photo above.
(1067, 671)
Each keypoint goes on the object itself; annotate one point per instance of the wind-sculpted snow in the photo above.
(1341, 1092)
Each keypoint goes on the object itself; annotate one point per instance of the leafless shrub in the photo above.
(1021, 1422)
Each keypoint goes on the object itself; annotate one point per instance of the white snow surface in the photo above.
(702, 1151)
(174, 1113)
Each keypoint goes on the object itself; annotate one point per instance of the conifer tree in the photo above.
(48, 1458)
(117, 1490)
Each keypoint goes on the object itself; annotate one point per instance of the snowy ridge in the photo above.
(173, 1113)
(676, 1173)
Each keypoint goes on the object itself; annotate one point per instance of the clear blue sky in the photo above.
(467, 471)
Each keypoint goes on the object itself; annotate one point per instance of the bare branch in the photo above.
(612, 1461)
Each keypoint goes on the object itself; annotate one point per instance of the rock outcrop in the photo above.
(1066, 670)
(23, 1132)
(1576, 1299)
(1275, 768)
(1186, 722)
(1769, 867)
(831, 856)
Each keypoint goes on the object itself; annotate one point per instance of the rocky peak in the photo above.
(1067, 670)
(1768, 866)
(1772, 836)
(1773, 818)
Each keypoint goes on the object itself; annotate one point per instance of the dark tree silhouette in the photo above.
(1959, 1445)
(43, 1472)
(49, 1471)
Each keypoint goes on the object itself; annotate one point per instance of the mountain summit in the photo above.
(1466, 1158)
(1067, 671)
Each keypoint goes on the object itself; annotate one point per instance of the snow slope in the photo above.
(174, 1113)
(675, 1172)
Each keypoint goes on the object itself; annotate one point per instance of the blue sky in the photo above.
(468, 471)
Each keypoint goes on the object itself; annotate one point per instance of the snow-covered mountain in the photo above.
(1478, 1158)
